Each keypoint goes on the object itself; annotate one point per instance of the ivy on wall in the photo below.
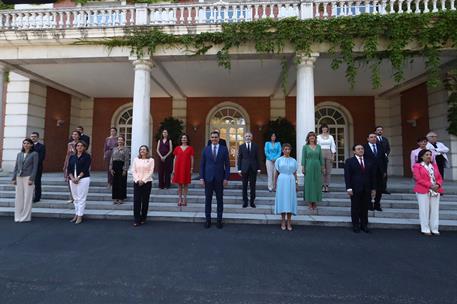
(4, 6)
(396, 33)
(451, 85)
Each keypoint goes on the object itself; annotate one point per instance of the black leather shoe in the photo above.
(252, 205)
(378, 209)
(386, 192)
(245, 204)
(356, 230)
(219, 224)
(207, 224)
(36, 201)
(365, 229)
(370, 207)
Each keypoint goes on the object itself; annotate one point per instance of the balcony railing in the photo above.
(207, 13)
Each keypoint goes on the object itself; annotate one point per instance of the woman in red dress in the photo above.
(183, 165)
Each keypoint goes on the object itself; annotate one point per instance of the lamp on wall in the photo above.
(195, 127)
(412, 122)
(60, 122)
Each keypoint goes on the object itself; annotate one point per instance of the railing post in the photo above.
(306, 9)
(141, 14)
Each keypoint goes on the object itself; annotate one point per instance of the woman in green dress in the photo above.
(312, 167)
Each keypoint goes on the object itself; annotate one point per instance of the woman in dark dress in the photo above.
(119, 165)
(165, 164)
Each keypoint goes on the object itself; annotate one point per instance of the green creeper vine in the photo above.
(4, 6)
(428, 33)
(451, 85)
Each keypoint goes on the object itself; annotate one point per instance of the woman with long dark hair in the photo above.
(24, 174)
(272, 150)
(165, 165)
(119, 165)
(182, 168)
(142, 170)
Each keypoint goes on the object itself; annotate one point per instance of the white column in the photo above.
(141, 124)
(2, 83)
(24, 112)
(305, 101)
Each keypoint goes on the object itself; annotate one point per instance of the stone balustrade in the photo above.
(207, 13)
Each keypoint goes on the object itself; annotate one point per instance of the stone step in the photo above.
(261, 185)
(229, 218)
(232, 208)
(8, 190)
(229, 199)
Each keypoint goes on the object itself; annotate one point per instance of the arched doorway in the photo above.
(233, 122)
(122, 120)
(340, 126)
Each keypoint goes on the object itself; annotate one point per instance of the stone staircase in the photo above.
(400, 207)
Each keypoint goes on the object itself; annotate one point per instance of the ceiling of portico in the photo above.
(202, 77)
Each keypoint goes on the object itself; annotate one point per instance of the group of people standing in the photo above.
(365, 173)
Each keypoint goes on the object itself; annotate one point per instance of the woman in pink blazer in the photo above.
(428, 188)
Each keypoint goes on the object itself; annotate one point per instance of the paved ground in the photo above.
(52, 261)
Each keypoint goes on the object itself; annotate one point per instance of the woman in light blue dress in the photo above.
(286, 187)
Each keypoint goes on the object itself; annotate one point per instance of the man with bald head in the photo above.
(439, 149)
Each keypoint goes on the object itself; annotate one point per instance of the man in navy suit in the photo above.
(41, 150)
(222, 141)
(214, 175)
(375, 153)
(360, 186)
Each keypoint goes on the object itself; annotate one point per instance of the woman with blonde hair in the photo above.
(312, 167)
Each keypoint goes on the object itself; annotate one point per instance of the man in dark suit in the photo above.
(83, 136)
(248, 167)
(375, 153)
(386, 147)
(214, 175)
(360, 186)
(41, 150)
(222, 141)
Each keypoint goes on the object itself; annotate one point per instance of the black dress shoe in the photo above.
(252, 205)
(245, 204)
(207, 224)
(36, 201)
(370, 207)
(219, 224)
(386, 192)
(356, 230)
(378, 209)
(365, 229)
